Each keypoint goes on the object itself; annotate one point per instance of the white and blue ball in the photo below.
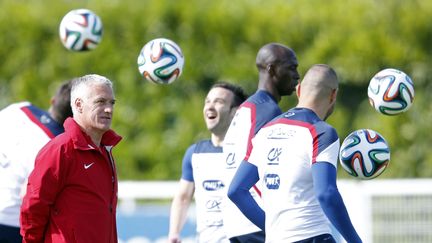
(391, 92)
(161, 61)
(81, 30)
(364, 154)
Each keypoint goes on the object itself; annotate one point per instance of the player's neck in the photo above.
(270, 89)
(217, 140)
(318, 109)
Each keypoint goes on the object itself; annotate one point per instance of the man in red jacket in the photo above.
(72, 191)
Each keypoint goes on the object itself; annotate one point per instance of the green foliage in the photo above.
(220, 40)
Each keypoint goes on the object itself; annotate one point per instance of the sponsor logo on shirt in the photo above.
(230, 160)
(213, 185)
(213, 215)
(4, 161)
(280, 133)
(272, 181)
(214, 204)
(214, 223)
(273, 156)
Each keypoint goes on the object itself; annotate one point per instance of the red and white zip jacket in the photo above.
(72, 191)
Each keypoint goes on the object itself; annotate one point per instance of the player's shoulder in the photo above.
(261, 97)
(326, 132)
(61, 140)
(12, 115)
(206, 146)
(325, 127)
(264, 105)
(58, 145)
(16, 106)
(304, 117)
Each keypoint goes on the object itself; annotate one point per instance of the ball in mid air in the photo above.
(364, 154)
(391, 92)
(161, 61)
(81, 30)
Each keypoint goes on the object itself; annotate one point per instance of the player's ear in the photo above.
(78, 104)
(333, 96)
(270, 69)
(298, 90)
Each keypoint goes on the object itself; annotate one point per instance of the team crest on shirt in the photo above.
(44, 119)
(288, 114)
(272, 181)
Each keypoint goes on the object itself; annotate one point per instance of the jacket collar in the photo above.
(82, 141)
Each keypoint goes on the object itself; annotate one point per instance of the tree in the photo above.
(220, 40)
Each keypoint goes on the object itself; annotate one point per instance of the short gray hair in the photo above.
(80, 84)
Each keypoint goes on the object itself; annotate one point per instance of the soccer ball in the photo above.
(161, 61)
(81, 30)
(391, 91)
(364, 154)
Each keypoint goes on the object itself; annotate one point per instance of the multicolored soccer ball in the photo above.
(364, 154)
(391, 91)
(161, 61)
(81, 30)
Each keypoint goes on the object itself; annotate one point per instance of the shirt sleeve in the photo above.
(326, 145)
(42, 188)
(238, 192)
(327, 193)
(187, 171)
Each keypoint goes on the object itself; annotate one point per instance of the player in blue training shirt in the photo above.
(202, 170)
(278, 76)
(295, 158)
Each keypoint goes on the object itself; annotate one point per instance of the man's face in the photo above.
(97, 108)
(218, 111)
(287, 75)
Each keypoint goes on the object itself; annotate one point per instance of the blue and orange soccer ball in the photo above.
(391, 91)
(81, 30)
(364, 154)
(161, 61)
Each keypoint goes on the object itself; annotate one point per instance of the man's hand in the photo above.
(174, 239)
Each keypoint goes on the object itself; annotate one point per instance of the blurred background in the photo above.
(220, 40)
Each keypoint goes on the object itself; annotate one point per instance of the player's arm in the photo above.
(183, 198)
(324, 179)
(44, 183)
(179, 209)
(244, 179)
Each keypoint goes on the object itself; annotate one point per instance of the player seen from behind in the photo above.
(295, 158)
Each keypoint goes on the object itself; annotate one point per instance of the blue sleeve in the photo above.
(324, 180)
(244, 179)
(187, 173)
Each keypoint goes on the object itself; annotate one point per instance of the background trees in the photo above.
(220, 40)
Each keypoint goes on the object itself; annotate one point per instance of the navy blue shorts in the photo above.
(256, 237)
(9, 234)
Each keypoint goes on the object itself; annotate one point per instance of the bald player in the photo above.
(295, 157)
(278, 76)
